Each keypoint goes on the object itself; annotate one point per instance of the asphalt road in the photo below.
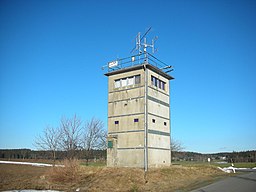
(239, 183)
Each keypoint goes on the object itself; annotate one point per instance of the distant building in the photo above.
(138, 113)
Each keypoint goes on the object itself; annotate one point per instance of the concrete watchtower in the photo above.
(138, 112)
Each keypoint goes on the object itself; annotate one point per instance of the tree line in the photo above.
(231, 157)
(44, 154)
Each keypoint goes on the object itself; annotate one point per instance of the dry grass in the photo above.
(116, 179)
(71, 172)
(92, 179)
(180, 178)
(22, 177)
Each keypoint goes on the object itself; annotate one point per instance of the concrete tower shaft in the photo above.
(138, 117)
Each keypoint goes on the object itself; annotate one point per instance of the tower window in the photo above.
(157, 83)
(137, 79)
(163, 85)
(136, 120)
(117, 83)
(124, 82)
(130, 81)
(116, 122)
(153, 120)
(127, 81)
(165, 123)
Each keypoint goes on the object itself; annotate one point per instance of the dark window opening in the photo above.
(165, 123)
(116, 122)
(163, 85)
(157, 83)
(136, 120)
(153, 120)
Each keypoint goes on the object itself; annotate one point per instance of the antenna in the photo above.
(142, 56)
(142, 41)
(153, 44)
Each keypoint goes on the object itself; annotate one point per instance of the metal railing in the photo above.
(134, 60)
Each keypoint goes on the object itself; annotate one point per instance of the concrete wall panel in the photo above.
(158, 141)
(125, 94)
(127, 107)
(159, 123)
(158, 109)
(131, 158)
(153, 92)
(126, 123)
(130, 140)
(159, 158)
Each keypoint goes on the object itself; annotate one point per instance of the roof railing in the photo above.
(139, 59)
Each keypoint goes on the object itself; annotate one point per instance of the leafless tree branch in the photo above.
(94, 136)
(176, 145)
(49, 140)
(71, 133)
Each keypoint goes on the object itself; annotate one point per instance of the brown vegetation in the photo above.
(74, 176)
(22, 177)
(69, 173)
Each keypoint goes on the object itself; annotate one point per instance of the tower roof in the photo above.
(141, 66)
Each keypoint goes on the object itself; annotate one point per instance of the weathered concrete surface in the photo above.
(127, 118)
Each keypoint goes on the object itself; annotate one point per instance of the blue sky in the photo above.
(51, 53)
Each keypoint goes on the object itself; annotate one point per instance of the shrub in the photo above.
(69, 173)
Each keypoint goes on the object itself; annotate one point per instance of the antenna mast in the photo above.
(142, 42)
(142, 56)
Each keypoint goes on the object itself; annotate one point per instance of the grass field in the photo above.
(98, 177)
(196, 163)
(22, 177)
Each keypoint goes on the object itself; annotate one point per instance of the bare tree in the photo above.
(103, 140)
(74, 137)
(49, 140)
(94, 136)
(176, 146)
(71, 134)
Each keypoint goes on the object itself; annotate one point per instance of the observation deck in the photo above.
(138, 60)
